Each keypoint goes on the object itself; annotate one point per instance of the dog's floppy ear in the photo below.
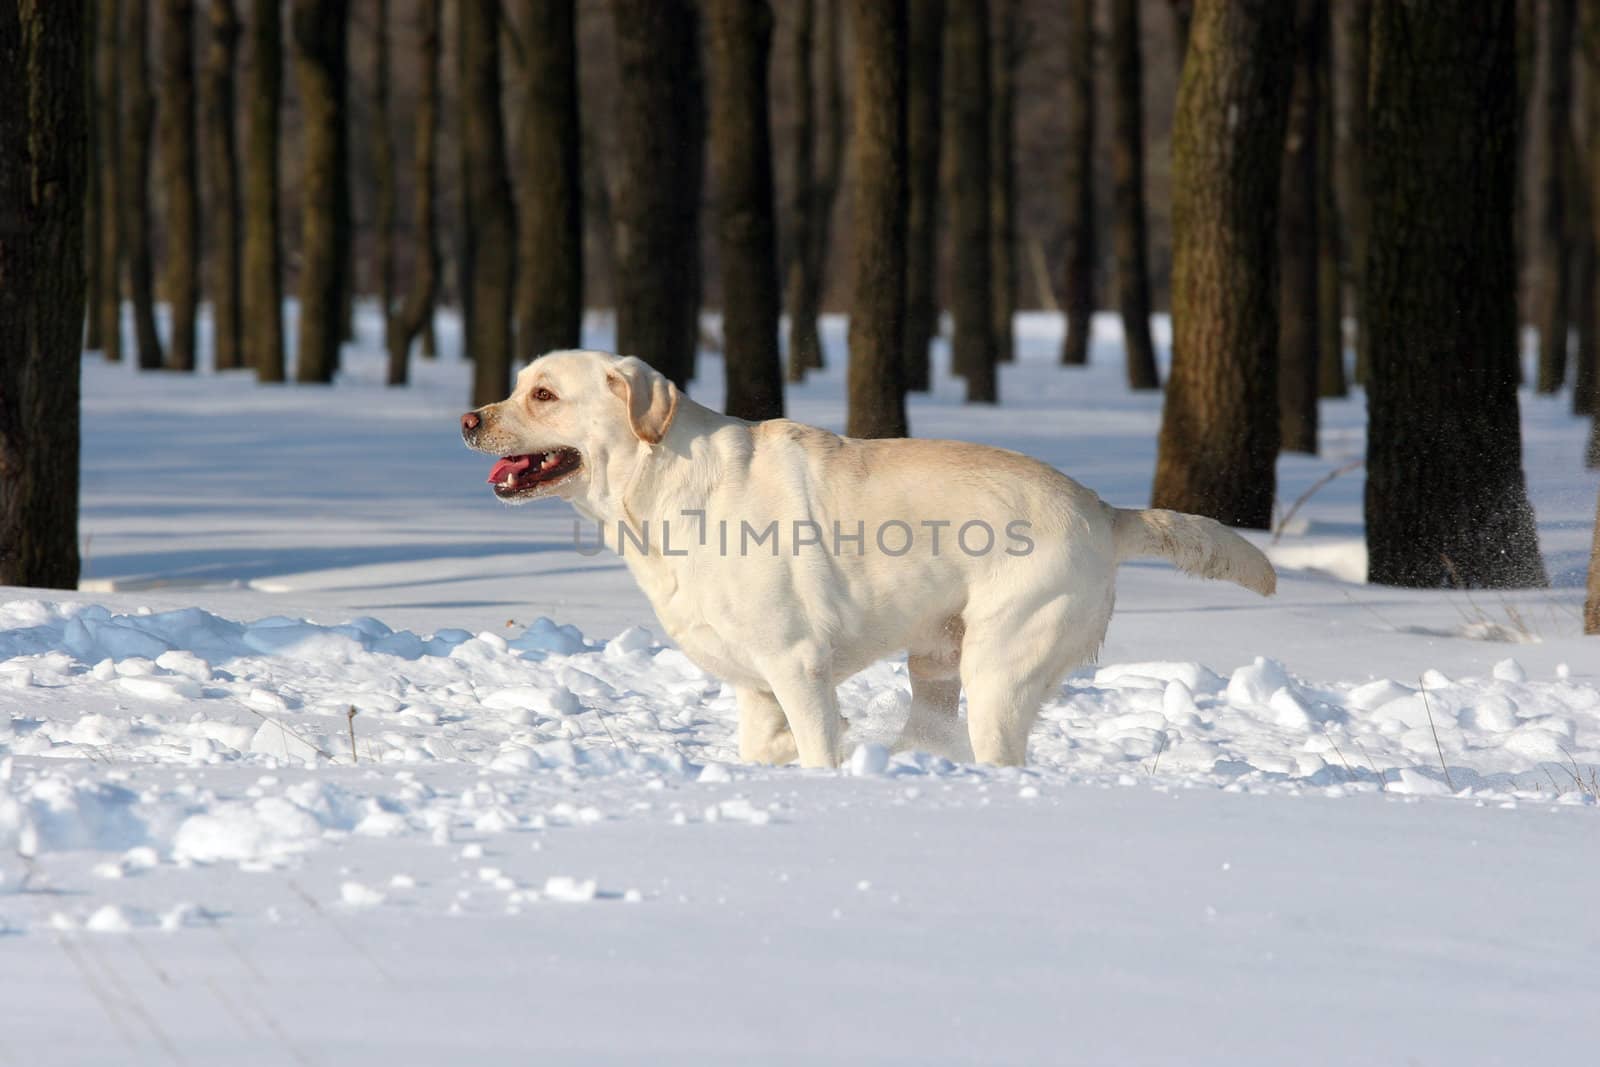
(651, 398)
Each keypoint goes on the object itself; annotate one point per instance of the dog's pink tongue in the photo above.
(514, 465)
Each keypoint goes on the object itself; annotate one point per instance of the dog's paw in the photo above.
(937, 735)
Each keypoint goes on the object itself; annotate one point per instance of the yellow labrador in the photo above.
(784, 558)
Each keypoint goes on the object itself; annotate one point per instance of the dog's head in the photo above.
(574, 420)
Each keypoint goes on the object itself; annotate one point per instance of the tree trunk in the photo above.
(180, 179)
(1580, 230)
(1078, 218)
(1445, 498)
(108, 218)
(550, 260)
(383, 208)
(877, 405)
(1330, 278)
(319, 28)
(1127, 191)
(489, 252)
(923, 106)
(1350, 133)
(1298, 238)
(802, 179)
(1182, 18)
(222, 173)
(1554, 245)
(660, 133)
(415, 314)
(1003, 176)
(967, 89)
(1219, 428)
(97, 157)
(740, 36)
(43, 177)
(827, 154)
(261, 294)
(1584, 191)
(136, 184)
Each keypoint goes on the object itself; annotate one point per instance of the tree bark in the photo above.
(550, 260)
(1554, 244)
(97, 157)
(43, 179)
(261, 295)
(877, 406)
(1182, 17)
(108, 218)
(1330, 269)
(222, 174)
(180, 180)
(967, 88)
(136, 184)
(1219, 429)
(414, 315)
(1580, 229)
(740, 36)
(802, 179)
(384, 194)
(319, 28)
(1584, 191)
(489, 252)
(661, 133)
(1127, 190)
(923, 107)
(1003, 47)
(1299, 304)
(826, 155)
(1350, 133)
(1078, 216)
(1445, 498)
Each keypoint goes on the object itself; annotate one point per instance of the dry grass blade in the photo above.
(1312, 490)
(1437, 747)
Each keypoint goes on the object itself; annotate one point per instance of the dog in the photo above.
(784, 559)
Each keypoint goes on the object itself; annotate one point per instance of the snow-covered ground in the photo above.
(1350, 822)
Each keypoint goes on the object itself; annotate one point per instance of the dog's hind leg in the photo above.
(806, 692)
(764, 735)
(934, 725)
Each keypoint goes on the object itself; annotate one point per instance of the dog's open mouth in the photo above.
(515, 476)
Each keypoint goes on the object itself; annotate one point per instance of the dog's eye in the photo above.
(543, 395)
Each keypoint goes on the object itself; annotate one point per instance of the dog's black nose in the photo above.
(470, 421)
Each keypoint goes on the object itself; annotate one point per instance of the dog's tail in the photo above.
(1195, 545)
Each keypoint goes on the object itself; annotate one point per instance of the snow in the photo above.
(333, 759)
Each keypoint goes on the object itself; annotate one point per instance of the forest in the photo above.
(1324, 195)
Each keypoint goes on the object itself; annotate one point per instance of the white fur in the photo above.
(784, 630)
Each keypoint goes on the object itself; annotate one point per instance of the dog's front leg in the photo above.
(764, 735)
(811, 705)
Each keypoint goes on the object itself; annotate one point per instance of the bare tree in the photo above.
(180, 180)
(1554, 241)
(923, 109)
(108, 16)
(1446, 502)
(1330, 244)
(550, 217)
(740, 34)
(967, 88)
(1079, 200)
(1350, 137)
(43, 177)
(404, 322)
(1127, 193)
(1219, 427)
(488, 262)
(97, 155)
(877, 405)
(222, 175)
(1003, 48)
(320, 28)
(818, 163)
(1299, 232)
(661, 134)
(136, 132)
(261, 295)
